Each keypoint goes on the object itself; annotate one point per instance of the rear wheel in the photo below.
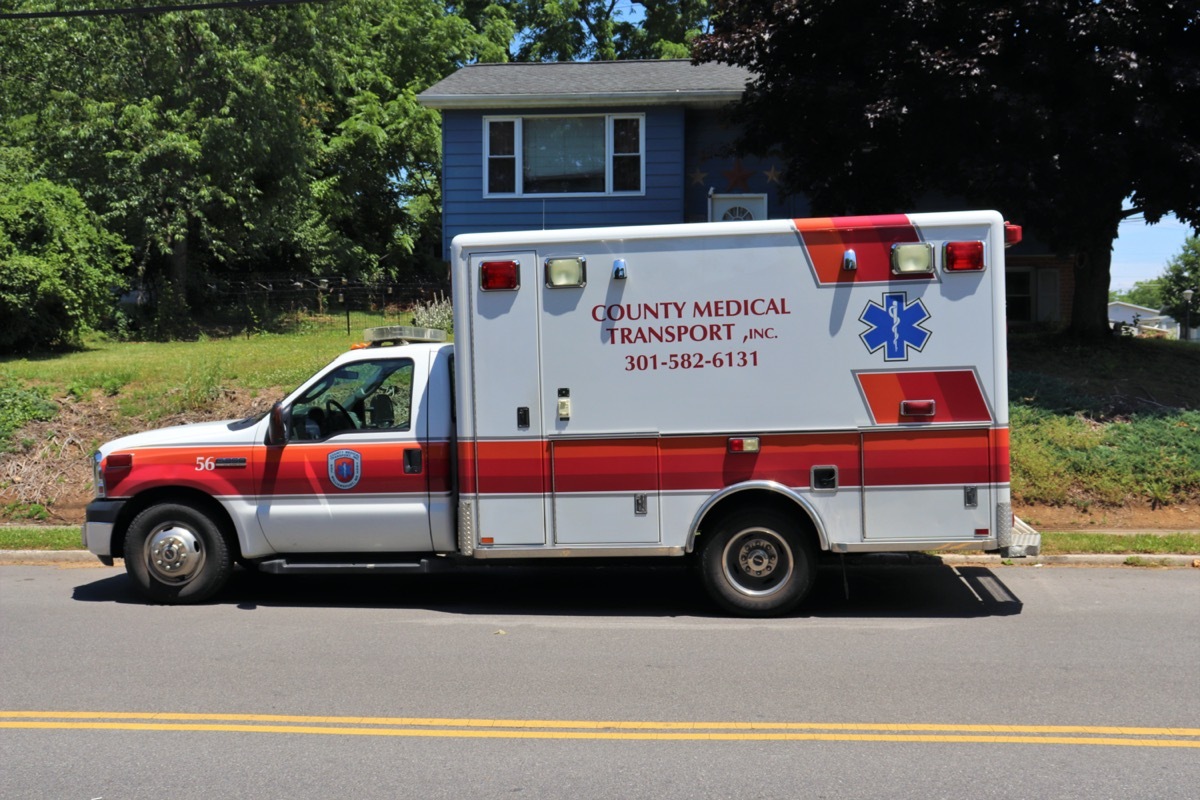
(176, 554)
(758, 563)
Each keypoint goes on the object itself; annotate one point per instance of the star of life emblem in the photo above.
(895, 326)
(345, 468)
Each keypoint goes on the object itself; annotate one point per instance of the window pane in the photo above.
(563, 154)
(363, 395)
(625, 136)
(1018, 291)
(627, 173)
(502, 175)
(501, 138)
(1020, 309)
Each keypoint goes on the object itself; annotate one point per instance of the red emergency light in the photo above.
(1012, 234)
(963, 257)
(499, 276)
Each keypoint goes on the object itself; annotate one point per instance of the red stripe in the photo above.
(587, 466)
(512, 467)
(827, 239)
(176, 466)
(297, 469)
(702, 463)
(686, 463)
(907, 458)
(956, 394)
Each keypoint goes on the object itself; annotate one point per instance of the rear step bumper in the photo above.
(1026, 541)
(282, 566)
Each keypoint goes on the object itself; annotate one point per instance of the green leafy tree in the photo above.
(59, 267)
(231, 140)
(1054, 111)
(1183, 272)
(600, 30)
(1147, 294)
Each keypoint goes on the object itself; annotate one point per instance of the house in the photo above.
(528, 146)
(1141, 320)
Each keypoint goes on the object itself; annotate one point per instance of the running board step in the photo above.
(281, 566)
(1026, 541)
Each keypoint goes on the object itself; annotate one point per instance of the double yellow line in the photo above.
(433, 727)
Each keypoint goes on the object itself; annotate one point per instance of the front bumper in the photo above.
(99, 521)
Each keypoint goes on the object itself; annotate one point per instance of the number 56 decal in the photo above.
(206, 464)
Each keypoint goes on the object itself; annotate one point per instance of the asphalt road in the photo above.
(929, 681)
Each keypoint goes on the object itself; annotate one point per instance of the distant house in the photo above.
(588, 144)
(1141, 319)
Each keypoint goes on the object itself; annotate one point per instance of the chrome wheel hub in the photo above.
(758, 558)
(174, 554)
(757, 562)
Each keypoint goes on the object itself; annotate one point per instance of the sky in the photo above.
(1141, 251)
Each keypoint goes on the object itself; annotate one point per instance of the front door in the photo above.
(354, 476)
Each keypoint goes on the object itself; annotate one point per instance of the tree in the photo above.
(1182, 272)
(599, 30)
(59, 267)
(1147, 294)
(1054, 111)
(282, 139)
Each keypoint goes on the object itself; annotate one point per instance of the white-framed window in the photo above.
(1031, 294)
(1020, 293)
(582, 154)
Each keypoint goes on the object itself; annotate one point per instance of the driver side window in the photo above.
(365, 395)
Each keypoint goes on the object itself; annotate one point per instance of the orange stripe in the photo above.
(828, 238)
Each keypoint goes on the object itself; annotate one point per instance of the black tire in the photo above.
(758, 562)
(176, 554)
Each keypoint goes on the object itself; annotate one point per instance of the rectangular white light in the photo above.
(912, 259)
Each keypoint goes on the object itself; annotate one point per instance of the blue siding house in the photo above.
(587, 144)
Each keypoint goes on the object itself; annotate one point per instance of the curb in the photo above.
(48, 557)
(1093, 560)
(42, 557)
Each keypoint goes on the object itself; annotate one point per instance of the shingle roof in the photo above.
(591, 83)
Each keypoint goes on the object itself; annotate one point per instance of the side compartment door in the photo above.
(606, 491)
(923, 485)
(510, 447)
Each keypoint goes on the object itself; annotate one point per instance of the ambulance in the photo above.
(749, 396)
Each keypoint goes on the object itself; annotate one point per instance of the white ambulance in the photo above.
(748, 395)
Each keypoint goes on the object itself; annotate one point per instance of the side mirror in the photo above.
(280, 424)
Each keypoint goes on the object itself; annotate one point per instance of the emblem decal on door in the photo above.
(345, 468)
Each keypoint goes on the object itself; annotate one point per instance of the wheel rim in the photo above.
(757, 562)
(173, 553)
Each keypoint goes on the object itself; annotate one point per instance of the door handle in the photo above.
(412, 461)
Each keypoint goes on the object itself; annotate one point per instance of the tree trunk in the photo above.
(178, 271)
(1093, 270)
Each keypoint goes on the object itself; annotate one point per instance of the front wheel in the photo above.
(176, 554)
(758, 563)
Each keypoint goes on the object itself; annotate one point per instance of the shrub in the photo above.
(437, 313)
(19, 406)
(59, 267)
